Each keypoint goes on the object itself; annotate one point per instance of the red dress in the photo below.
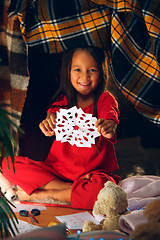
(71, 163)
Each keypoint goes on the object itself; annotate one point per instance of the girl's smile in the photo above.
(84, 73)
(84, 84)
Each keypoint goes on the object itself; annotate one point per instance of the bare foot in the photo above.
(23, 195)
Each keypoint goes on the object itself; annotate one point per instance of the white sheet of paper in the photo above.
(27, 207)
(24, 227)
(75, 221)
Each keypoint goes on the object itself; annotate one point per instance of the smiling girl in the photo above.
(71, 174)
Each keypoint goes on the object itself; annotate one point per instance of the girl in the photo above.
(71, 174)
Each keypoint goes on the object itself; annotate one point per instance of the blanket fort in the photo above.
(127, 30)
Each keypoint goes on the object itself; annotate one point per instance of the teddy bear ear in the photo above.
(109, 184)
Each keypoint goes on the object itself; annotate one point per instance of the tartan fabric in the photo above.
(4, 69)
(13, 67)
(49, 27)
(129, 30)
(14, 77)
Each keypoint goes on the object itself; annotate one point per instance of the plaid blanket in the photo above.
(128, 30)
(14, 76)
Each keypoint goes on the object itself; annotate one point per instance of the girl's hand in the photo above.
(106, 127)
(48, 125)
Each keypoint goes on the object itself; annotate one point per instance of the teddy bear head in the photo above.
(111, 200)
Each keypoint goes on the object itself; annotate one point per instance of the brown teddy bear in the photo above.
(151, 229)
(111, 203)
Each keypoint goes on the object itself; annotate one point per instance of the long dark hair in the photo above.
(66, 87)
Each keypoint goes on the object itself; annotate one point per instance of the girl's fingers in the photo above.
(106, 127)
(46, 129)
(53, 120)
(98, 122)
(51, 124)
(101, 125)
(46, 125)
(48, 133)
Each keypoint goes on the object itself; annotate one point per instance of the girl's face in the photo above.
(84, 73)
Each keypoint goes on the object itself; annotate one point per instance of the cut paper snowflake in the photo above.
(76, 127)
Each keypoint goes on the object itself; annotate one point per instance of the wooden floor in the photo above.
(48, 216)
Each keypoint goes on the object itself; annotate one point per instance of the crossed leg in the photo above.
(55, 189)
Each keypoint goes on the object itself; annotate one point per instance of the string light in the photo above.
(78, 234)
(138, 208)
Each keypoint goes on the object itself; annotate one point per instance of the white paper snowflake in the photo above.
(76, 127)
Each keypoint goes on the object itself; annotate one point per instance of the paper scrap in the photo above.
(19, 206)
(76, 127)
(24, 227)
(75, 221)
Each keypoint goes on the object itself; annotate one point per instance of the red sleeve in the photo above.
(61, 102)
(108, 107)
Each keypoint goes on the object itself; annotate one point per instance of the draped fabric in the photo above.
(14, 76)
(128, 30)
(13, 63)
